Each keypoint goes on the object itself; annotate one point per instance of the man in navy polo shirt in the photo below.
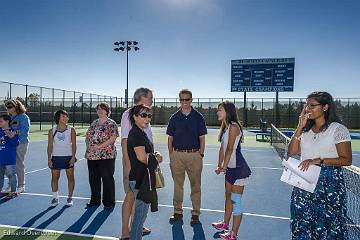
(186, 144)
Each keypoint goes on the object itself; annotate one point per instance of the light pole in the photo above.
(126, 46)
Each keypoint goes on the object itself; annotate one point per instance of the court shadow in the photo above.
(34, 234)
(3, 200)
(52, 218)
(97, 222)
(77, 226)
(32, 221)
(177, 230)
(217, 234)
(198, 232)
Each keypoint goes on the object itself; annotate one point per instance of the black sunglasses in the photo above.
(185, 99)
(9, 107)
(144, 115)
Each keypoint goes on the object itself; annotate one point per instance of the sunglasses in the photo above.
(145, 115)
(185, 99)
(9, 107)
(312, 106)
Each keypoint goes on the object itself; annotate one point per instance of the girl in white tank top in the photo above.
(61, 155)
(232, 163)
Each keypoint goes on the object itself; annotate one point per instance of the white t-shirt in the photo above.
(126, 127)
(322, 145)
(62, 145)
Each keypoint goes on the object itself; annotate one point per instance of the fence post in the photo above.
(289, 113)
(52, 107)
(40, 107)
(90, 108)
(10, 94)
(82, 109)
(74, 105)
(154, 111)
(26, 94)
(348, 114)
(63, 100)
(262, 109)
(116, 109)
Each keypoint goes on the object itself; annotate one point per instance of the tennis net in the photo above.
(280, 143)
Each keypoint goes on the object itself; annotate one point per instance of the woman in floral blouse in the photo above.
(101, 154)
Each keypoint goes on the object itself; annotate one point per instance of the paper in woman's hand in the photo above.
(311, 175)
(294, 176)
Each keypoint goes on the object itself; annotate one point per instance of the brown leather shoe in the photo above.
(175, 217)
(194, 220)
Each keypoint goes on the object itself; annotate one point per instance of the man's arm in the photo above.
(202, 144)
(170, 144)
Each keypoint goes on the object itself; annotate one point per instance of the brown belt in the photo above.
(187, 150)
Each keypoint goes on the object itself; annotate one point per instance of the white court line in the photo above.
(41, 169)
(52, 231)
(214, 165)
(167, 206)
(37, 170)
(205, 164)
(269, 168)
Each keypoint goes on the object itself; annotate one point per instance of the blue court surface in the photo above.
(266, 200)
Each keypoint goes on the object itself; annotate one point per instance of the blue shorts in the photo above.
(61, 162)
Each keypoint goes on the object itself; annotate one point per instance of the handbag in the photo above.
(159, 178)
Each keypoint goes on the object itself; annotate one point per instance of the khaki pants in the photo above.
(192, 164)
(20, 167)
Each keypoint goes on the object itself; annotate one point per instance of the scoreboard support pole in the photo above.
(245, 111)
(277, 115)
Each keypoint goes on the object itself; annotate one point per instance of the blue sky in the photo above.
(184, 44)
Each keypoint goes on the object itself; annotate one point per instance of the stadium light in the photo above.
(122, 46)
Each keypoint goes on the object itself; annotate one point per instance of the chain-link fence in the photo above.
(42, 102)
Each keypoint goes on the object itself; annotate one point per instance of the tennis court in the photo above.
(266, 200)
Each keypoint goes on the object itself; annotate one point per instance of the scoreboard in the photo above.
(262, 75)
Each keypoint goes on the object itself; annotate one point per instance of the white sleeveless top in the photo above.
(322, 145)
(224, 143)
(62, 145)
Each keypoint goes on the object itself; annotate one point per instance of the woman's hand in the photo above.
(218, 170)
(50, 164)
(303, 118)
(72, 161)
(304, 165)
(158, 156)
(224, 169)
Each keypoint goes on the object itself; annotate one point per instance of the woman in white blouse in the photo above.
(322, 140)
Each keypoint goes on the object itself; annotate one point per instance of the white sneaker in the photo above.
(54, 202)
(7, 190)
(20, 190)
(69, 202)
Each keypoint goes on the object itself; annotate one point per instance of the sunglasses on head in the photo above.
(145, 115)
(185, 99)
